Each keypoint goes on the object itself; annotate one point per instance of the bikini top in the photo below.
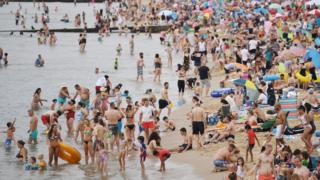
(87, 132)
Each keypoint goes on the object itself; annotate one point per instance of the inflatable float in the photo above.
(271, 77)
(305, 79)
(220, 92)
(69, 153)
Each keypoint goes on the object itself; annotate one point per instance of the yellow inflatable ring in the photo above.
(69, 153)
(305, 79)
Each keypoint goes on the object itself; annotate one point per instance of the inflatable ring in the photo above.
(69, 153)
(305, 79)
(220, 92)
(271, 77)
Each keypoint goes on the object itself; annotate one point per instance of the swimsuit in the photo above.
(143, 150)
(33, 134)
(62, 100)
(113, 128)
(85, 102)
(70, 114)
(8, 142)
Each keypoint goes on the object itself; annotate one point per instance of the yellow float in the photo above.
(69, 153)
(305, 79)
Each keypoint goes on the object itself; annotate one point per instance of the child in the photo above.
(42, 163)
(53, 105)
(241, 168)
(32, 165)
(306, 159)
(119, 49)
(10, 133)
(168, 124)
(163, 155)
(197, 89)
(116, 63)
(251, 141)
(103, 158)
(143, 151)
(123, 152)
(5, 58)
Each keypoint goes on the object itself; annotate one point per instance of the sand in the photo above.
(201, 159)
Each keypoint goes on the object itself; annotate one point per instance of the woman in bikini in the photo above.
(53, 139)
(23, 152)
(130, 127)
(36, 100)
(70, 113)
(87, 141)
(154, 142)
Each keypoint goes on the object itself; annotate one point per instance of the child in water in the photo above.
(123, 152)
(42, 163)
(32, 165)
(143, 151)
(10, 133)
(103, 158)
(119, 49)
(116, 63)
(163, 155)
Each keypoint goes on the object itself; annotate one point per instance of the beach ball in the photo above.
(318, 134)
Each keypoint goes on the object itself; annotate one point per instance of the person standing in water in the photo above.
(53, 139)
(140, 66)
(84, 94)
(63, 95)
(23, 152)
(36, 100)
(131, 43)
(33, 128)
(112, 116)
(69, 111)
(181, 73)
(157, 68)
(169, 50)
(164, 101)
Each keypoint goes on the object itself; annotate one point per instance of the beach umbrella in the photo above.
(314, 55)
(261, 11)
(313, 2)
(250, 85)
(240, 82)
(314, 12)
(275, 6)
(174, 15)
(317, 41)
(293, 52)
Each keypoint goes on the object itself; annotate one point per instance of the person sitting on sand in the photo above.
(261, 117)
(226, 132)
(187, 141)
(222, 158)
(169, 124)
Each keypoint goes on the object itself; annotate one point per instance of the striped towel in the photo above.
(290, 105)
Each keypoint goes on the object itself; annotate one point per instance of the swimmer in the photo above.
(32, 165)
(42, 163)
(119, 50)
(116, 63)
(33, 128)
(23, 152)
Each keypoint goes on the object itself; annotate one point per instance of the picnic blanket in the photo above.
(290, 105)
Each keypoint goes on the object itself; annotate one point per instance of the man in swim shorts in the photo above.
(112, 116)
(84, 94)
(33, 128)
(198, 125)
(222, 158)
(187, 141)
(280, 124)
(164, 101)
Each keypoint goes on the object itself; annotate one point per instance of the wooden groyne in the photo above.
(153, 29)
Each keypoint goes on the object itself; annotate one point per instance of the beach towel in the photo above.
(290, 105)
